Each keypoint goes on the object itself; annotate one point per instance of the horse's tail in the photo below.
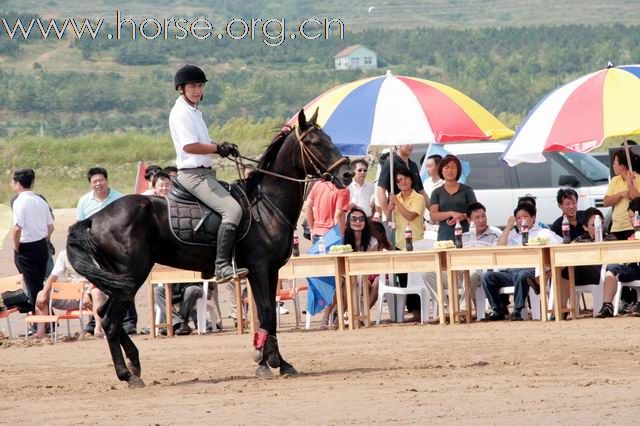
(87, 260)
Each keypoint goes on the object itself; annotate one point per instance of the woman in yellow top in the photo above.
(409, 207)
(622, 188)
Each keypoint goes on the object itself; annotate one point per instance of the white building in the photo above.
(356, 57)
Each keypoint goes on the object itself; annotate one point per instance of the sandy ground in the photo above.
(584, 371)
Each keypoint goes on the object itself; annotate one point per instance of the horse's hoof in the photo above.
(135, 382)
(273, 361)
(134, 370)
(263, 371)
(288, 370)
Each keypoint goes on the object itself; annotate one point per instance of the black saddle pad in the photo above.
(192, 222)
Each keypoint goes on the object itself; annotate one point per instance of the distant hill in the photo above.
(357, 14)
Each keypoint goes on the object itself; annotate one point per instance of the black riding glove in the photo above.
(226, 149)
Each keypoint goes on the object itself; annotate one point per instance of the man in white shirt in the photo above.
(32, 228)
(520, 278)
(486, 236)
(361, 191)
(194, 149)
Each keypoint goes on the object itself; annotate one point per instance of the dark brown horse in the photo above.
(116, 248)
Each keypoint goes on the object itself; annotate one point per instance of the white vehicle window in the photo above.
(590, 166)
(540, 175)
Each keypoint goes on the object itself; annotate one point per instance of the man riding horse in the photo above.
(195, 165)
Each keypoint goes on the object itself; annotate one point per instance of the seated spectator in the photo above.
(486, 236)
(449, 202)
(360, 190)
(358, 234)
(186, 295)
(568, 203)
(530, 199)
(621, 272)
(148, 176)
(520, 278)
(161, 184)
(64, 272)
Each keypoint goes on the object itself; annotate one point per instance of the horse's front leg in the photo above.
(263, 285)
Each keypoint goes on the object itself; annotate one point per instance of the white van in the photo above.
(499, 187)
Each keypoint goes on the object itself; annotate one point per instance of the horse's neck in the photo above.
(287, 195)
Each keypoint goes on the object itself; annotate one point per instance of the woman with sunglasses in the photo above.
(358, 235)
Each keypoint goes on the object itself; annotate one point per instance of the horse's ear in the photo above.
(314, 118)
(302, 121)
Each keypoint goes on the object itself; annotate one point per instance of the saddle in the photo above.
(193, 222)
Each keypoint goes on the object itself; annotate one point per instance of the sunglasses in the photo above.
(358, 219)
(361, 170)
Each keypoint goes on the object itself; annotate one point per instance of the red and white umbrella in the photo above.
(580, 115)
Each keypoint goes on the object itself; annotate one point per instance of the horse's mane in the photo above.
(269, 156)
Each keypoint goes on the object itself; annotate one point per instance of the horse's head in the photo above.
(319, 157)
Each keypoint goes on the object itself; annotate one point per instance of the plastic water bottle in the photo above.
(457, 232)
(408, 238)
(322, 249)
(566, 235)
(296, 245)
(636, 222)
(597, 224)
(524, 231)
(472, 234)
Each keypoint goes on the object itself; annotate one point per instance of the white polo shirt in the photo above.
(361, 196)
(187, 127)
(31, 213)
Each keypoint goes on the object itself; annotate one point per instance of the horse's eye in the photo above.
(314, 141)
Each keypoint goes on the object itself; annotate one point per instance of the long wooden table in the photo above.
(390, 262)
(502, 257)
(582, 254)
(323, 265)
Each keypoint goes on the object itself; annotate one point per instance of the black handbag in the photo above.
(16, 299)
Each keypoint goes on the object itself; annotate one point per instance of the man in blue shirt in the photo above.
(92, 202)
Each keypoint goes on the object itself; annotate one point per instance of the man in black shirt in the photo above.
(568, 202)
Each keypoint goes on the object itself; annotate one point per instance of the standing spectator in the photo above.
(449, 202)
(161, 184)
(100, 196)
(32, 228)
(384, 181)
(567, 199)
(624, 186)
(410, 207)
(172, 171)
(434, 180)
(326, 207)
(360, 190)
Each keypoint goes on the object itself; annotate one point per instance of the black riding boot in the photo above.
(226, 241)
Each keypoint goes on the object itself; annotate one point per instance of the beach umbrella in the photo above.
(397, 110)
(580, 115)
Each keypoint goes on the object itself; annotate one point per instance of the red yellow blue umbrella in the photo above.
(397, 110)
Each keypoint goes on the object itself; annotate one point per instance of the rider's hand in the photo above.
(226, 149)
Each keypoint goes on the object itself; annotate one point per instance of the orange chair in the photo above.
(62, 291)
(291, 294)
(13, 282)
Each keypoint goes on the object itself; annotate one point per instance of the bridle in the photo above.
(307, 157)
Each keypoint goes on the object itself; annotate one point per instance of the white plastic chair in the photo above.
(384, 289)
(596, 290)
(204, 305)
(616, 299)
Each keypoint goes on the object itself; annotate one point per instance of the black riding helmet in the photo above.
(189, 74)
